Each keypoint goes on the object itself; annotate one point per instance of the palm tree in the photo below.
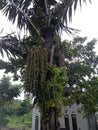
(44, 19)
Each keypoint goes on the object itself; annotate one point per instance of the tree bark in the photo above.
(52, 54)
(53, 119)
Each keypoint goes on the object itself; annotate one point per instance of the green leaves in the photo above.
(7, 94)
(18, 114)
(90, 96)
(8, 91)
(52, 92)
(56, 84)
(82, 70)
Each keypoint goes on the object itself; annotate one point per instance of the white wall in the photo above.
(82, 123)
(34, 114)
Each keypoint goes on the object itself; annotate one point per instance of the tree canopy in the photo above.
(7, 94)
(19, 114)
(8, 91)
(14, 113)
(82, 71)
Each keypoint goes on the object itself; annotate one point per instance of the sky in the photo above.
(86, 20)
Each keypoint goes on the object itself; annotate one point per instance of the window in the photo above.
(74, 121)
(67, 122)
(36, 123)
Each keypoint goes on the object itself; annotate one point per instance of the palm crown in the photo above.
(41, 15)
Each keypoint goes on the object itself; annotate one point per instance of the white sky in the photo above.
(86, 20)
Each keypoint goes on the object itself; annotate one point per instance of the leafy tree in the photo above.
(19, 114)
(23, 121)
(7, 94)
(82, 71)
(44, 19)
(8, 91)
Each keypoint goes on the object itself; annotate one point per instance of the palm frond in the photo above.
(2, 4)
(70, 31)
(12, 47)
(23, 18)
(6, 65)
(64, 10)
(38, 14)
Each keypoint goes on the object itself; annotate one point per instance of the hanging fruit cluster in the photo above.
(36, 69)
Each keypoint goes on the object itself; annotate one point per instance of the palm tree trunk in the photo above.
(52, 54)
(50, 119)
(53, 119)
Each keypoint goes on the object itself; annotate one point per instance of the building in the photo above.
(72, 119)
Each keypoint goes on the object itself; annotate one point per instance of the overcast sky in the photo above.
(86, 20)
